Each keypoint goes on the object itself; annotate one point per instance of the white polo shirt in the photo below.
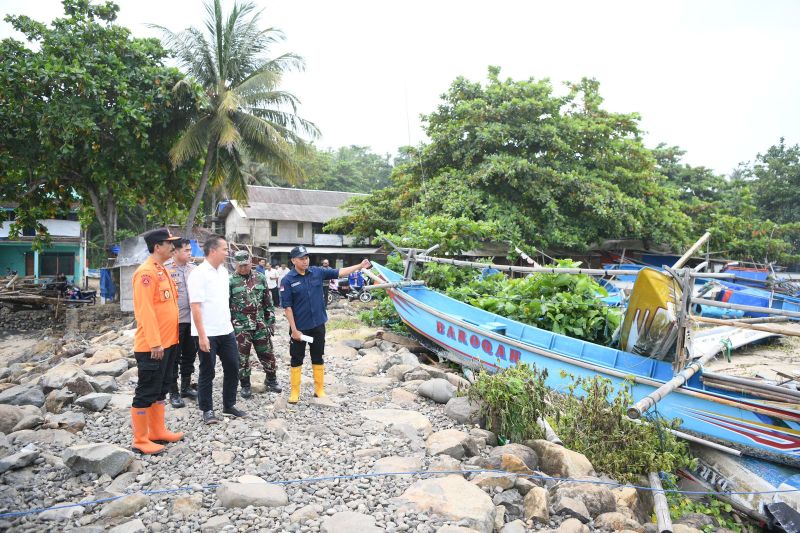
(209, 286)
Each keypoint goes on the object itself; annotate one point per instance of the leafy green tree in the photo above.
(87, 118)
(777, 185)
(241, 112)
(551, 170)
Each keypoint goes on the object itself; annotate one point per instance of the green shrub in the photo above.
(513, 400)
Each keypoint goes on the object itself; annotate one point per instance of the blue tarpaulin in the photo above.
(107, 288)
(196, 250)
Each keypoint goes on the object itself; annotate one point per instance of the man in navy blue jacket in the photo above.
(302, 300)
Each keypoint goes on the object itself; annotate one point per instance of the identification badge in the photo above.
(296, 283)
(167, 295)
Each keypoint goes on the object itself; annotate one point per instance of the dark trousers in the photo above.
(187, 353)
(297, 349)
(276, 296)
(325, 291)
(223, 346)
(155, 377)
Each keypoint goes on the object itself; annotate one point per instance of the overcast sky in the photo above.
(717, 78)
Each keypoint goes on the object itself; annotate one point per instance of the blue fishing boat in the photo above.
(750, 423)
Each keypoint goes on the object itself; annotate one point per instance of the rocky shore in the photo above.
(317, 466)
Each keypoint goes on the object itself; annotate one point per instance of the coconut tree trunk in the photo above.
(198, 195)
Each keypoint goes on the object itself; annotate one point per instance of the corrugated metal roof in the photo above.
(280, 203)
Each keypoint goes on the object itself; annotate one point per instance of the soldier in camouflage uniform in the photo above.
(253, 318)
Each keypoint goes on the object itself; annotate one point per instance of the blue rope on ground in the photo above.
(417, 473)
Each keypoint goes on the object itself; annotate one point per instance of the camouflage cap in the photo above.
(242, 257)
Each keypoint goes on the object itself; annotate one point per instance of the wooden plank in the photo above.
(663, 520)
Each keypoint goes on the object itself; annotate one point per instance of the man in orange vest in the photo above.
(155, 343)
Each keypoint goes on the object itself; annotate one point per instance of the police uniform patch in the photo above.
(167, 295)
(146, 279)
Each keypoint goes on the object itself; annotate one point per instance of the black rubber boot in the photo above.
(271, 382)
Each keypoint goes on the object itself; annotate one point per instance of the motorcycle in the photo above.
(341, 289)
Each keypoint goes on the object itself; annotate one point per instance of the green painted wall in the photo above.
(12, 255)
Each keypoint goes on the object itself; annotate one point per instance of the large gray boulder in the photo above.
(59, 376)
(522, 452)
(598, 499)
(27, 394)
(57, 399)
(452, 497)
(10, 416)
(72, 422)
(416, 420)
(114, 368)
(463, 410)
(437, 389)
(556, 460)
(57, 437)
(401, 357)
(100, 458)
(125, 506)
(95, 401)
(450, 442)
(21, 459)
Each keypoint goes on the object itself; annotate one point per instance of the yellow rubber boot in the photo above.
(158, 431)
(319, 381)
(141, 442)
(295, 373)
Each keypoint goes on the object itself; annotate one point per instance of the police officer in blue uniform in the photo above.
(304, 305)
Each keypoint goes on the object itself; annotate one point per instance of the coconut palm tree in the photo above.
(241, 113)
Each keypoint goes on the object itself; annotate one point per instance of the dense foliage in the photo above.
(561, 172)
(88, 116)
(589, 417)
(562, 303)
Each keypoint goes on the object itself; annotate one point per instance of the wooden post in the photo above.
(663, 519)
(688, 255)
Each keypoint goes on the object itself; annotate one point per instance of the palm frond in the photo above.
(192, 143)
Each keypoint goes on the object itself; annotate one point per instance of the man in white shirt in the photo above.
(211, 325)
(273, 275)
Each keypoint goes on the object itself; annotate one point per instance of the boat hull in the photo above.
(480, 339)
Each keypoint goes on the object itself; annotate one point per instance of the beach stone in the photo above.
(452, 497)
(397, 464)
(29, 422)
(558, 461)
(222, 457)
(66, 376)
(524, 486)
(417, 374)
(125, 506)
(306, 513)
(512, 463)
(391, 416)
(107, 384)
(100, 458)
(369, 365)
(512, 501)
(463, 410)
(439, 390)
(457, 381)
(56, 400)
(232, 495)
(447, 442)
(397, 372)
(107, 354)
(598, 499)
(492, 480)
(573, 525)
(70, 421)
(616, 522)
(95, 401)
(403, 398)
(534, 505)
(28, 394)
(456, 529)
(402, 358)
(114, 368)
(10, 415)
(5, 445)
(572, 507)
(133, 526)
(629, 500)
(349, 522)
(517, 526)
(61, 515)
(58, 437)
(216, 523)
(187, 506)
(526, 454)
(435, 371)
(483, 434)
(21, 459)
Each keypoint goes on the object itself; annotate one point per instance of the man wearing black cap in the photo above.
(155, 343)
(301, 298)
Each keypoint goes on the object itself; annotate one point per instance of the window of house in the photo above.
(300, 230)
(316, 228)
(52, 263)
(273, 228)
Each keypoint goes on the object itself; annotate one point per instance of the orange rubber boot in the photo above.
(158, 431)
(141, 442)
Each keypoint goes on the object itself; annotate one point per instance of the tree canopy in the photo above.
(88, 116)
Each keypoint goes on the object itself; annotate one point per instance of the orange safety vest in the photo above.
(155, 305)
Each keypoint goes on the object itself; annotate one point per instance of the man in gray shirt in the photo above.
(179, 269)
